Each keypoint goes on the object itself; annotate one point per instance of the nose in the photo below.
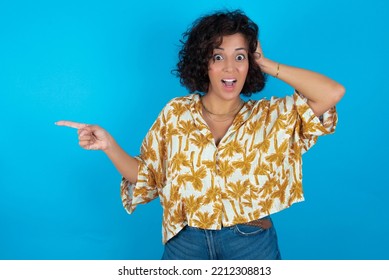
(229, 65)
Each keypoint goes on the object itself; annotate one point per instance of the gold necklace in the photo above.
(228, 115)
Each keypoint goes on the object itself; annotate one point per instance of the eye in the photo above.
(217, 57)
(240, 57)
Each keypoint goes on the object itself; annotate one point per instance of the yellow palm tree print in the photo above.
(186, 128)
(236, 191)
(178, 161)
(225, 170)
(200, 141)
(245, 164)
(178, 110)
(170, 132)
(279, 154)
(255, 171)
(192, 204)
(231, 148)
(204, 220)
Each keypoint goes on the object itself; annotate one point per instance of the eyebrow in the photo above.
(237, 49)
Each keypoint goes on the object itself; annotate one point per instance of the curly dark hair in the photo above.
(203, 37)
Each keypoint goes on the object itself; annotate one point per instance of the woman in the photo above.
(219, 165)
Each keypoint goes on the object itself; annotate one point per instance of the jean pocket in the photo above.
(245, 230)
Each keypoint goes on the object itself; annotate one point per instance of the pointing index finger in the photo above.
(71, 124)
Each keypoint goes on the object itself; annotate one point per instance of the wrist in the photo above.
(270, 67)
(110, 145)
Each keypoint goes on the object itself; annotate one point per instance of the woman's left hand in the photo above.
(258, 55)
(322, 92)
(267, 66)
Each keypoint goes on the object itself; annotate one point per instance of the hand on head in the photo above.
(91, 137)
(258, 54)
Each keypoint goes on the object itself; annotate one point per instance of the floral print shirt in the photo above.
(254, 171)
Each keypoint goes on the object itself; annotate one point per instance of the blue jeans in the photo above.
(239, 242)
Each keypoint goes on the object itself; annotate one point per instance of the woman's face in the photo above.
(227, 70)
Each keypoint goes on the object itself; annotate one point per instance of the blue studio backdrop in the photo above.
(110, 62)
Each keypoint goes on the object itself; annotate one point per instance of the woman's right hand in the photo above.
(91, 137)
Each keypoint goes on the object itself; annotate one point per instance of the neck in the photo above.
(233, 107)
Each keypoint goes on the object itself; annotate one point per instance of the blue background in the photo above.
(110, 62)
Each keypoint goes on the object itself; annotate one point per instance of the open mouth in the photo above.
(229, 82)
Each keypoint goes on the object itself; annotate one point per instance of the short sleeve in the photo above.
(151, 169)
(313, 125)
(309, 125)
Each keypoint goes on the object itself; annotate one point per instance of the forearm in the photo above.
(124, 163)
(322, 92)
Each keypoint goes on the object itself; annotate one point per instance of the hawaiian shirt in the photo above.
(254, 171)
